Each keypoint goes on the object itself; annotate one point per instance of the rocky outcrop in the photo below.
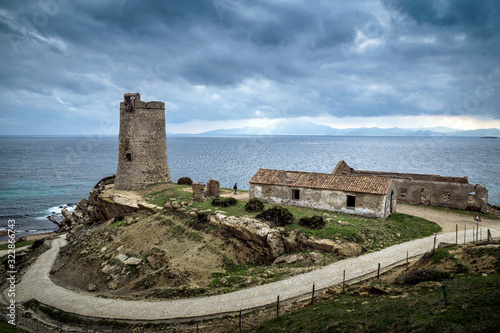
(271, 243)
(106, 203)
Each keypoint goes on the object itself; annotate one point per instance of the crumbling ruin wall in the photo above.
(142, 152)
(198, 191)
(432, 190)
(213, 188)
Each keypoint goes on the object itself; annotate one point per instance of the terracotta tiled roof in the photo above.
(325, 181)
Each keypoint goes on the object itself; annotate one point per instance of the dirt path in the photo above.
(447, 220)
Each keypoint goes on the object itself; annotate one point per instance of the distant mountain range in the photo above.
(300, 127)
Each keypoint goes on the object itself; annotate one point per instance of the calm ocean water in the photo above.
(38, 174)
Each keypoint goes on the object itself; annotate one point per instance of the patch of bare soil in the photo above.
(146, 253)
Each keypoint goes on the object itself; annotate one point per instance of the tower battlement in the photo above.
(142, 152)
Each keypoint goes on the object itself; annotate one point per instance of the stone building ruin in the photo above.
(142, 152)
(212, 190)
(433, 190)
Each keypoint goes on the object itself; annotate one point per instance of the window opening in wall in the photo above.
(403, 193)
(471, 198)
(445, 197)
(296, 194)
(128, 157)
(425, 196)
(351, 201)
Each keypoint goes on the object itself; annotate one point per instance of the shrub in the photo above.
(312, 222)
(421, 275)
(37, 243)
(202, 217)
(278, 216)
(185, 181)
(224, 202)
(254, 205)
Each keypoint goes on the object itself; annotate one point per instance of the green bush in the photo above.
(254, 205)
(224, 202)
(312, 222)
(277, 216)
(202, 217)
(185, 181)
(421, 275)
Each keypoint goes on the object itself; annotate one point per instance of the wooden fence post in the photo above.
(278, 307)
(407, 261)
(343, 284)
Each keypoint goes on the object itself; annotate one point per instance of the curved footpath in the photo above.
(36, 284)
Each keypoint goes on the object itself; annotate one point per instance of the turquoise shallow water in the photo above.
(38, 174)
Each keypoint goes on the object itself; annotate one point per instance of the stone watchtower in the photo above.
(142, 152)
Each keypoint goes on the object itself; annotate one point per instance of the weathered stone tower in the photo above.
(142, 152)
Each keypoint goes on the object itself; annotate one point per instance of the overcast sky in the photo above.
(65, 64)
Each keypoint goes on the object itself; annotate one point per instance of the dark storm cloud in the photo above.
(479, 17)
(235, 59)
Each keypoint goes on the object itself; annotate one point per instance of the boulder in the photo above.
(68, 218)
(314, 257)
(132, 261)
(108, 268)
(349, 250)
(122, 257)
(113, 285)
(294, 258)
(326, 245)
(275, 243)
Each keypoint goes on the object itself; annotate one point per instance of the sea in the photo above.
(39, 175)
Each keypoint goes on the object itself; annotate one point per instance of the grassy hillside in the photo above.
(471, 276)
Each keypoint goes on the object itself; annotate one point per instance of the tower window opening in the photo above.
(128, 157)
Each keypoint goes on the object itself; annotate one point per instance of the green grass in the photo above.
(443, 253)
(474, 307)
(371, 233)
(18, 244)
(176, 191)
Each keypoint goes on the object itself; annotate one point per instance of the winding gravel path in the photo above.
(36, 284)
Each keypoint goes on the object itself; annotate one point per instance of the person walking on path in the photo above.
(235, 188)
